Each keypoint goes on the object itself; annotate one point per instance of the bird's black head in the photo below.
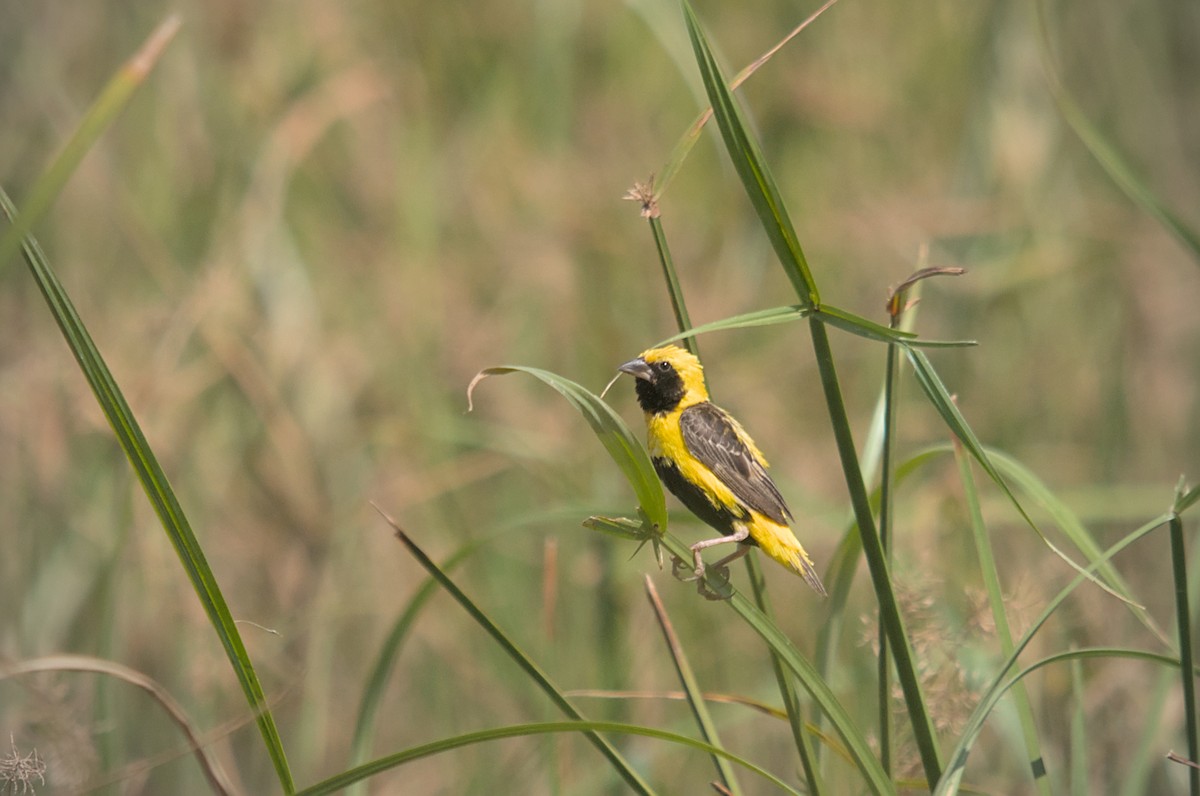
(661, 386)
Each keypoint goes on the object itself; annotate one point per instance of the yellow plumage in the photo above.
(711, 464)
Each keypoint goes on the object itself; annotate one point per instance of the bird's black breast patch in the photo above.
(691, 496)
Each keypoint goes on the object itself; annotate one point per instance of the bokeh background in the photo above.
(316, 221)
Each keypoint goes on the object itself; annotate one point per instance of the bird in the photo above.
(708, 461)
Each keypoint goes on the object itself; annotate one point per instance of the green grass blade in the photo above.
(791, 702)
(956, 767)
(1071, 526)
(806, 674)
(751, 167)
(890, 617)
(674, 289)
(991, 582)
(695, 695)
(1106, 154)
(1184, 622)
(1186, 499)
(535, 673)
(368, 706)
(158, 490)
(629, 454)
(99, 116)
(856, 324)
(345, 778)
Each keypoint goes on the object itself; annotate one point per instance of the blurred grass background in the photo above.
(317, 221)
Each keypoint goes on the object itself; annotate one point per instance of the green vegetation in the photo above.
(281, 239)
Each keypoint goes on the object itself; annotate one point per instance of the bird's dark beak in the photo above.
(638, 368)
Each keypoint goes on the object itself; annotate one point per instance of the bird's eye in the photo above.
(664, 366)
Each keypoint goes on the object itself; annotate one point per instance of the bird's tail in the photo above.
(781, 544)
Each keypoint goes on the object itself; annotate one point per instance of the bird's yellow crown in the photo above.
(690, 371)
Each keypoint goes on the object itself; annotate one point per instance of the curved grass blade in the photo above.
(747, 320)
(1068, 522)
(368, 706)
(952, 779)
(688, 140)
(214, 774)
(99, 116)
(751, 167)
(340, 781)
(159, 492)
(618, 440)
(535, 673)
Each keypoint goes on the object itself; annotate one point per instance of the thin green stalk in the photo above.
(991, 581)
(889, 611)
(1184, 619)
(682, 320)
(884, 675)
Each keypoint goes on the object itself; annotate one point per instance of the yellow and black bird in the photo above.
(710, 463)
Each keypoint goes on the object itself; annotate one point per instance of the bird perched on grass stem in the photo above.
(708, 461)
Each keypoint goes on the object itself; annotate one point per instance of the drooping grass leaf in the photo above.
(214, 774)
(940, 397)
(628, 453)
(1069, 523)
(158, 490)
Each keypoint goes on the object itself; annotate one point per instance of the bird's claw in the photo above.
(683, 571)
(721, 589)
(712, 583)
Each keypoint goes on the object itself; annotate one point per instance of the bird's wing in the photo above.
(720, 444)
